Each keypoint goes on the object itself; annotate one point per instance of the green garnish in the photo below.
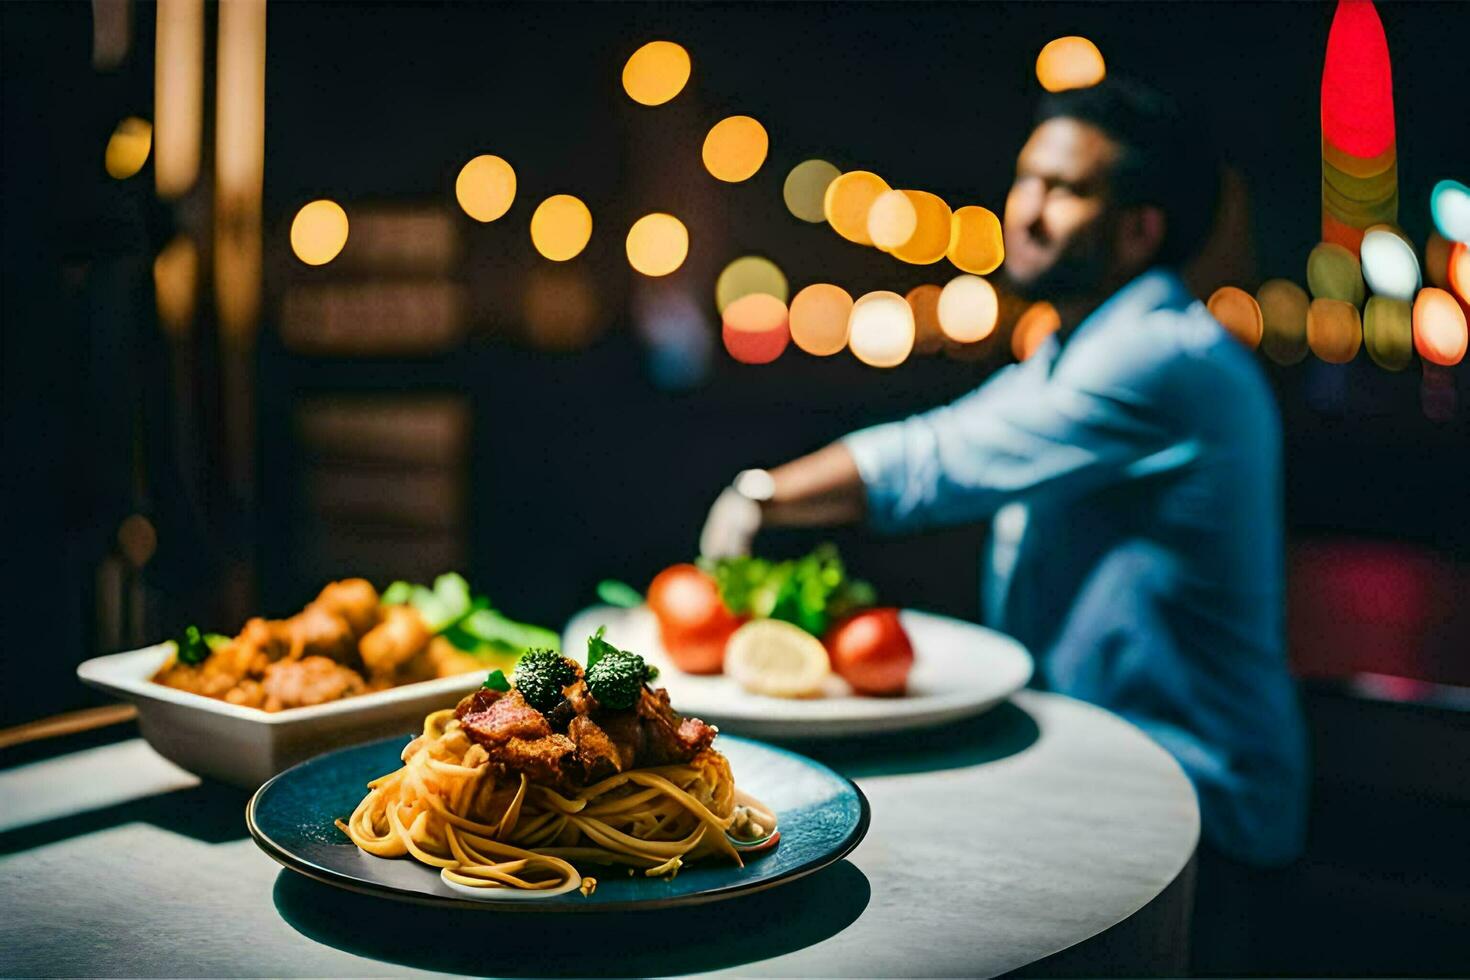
(191, 648)
(615, 676)
(619, 594)
(810, 592)
(540, 676)
(468, 622)
(496, 681)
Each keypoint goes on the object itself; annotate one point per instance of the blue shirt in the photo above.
(1134, 477)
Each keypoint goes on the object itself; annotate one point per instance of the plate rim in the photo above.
(284, 857)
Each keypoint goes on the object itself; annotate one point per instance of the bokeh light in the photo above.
(968, 309)
(1333, 273)
(1449, 203)
(1334, 330)
(1388, 332)
(975, 242)
(137, 539)
(128, 147)
(735, 149)
(931, 236)
(749, 274)
(881, 329)
(924, 301)
(806, 187)
(1283, 320)
(819, 318)
(892, 220)
(1038, 322)
(1239, 313)
(656, 72)
(561, 308)
(486, 187)
(1457, 272)
(657, 244)
(1357, 83)
(755, 328)
(1437, 260)
(1069, 62)
(1390, 267)
(561, 227)
(318, 232)
(848, 199)
(176, 285)
(1440, 334)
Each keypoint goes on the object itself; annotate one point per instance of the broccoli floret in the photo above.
(541, 674)
(616, 675)
(192, 647)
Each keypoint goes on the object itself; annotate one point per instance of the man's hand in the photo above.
(731, 525)
(817, 490)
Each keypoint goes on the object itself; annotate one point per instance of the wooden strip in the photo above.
(69, 723)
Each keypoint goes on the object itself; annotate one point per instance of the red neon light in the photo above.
(1357, 82)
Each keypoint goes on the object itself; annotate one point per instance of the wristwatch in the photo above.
(755, 485)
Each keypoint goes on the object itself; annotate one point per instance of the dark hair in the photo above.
(1167, 159)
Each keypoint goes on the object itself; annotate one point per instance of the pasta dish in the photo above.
(519, 785)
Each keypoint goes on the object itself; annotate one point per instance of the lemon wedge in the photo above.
(768, 656)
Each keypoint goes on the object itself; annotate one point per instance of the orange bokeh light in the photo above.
(1069, 62)
(1239, 313)
(1334, 330)
(819, 316)
(975, 242)
(656, 72)
(735, 149)
(847, 202)
(657, 244)
(932, 230)
(1038, 322)
(1440, 333)
(924, 301)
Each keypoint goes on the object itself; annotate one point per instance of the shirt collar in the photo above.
(1156, 289)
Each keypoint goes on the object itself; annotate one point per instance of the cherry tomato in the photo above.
(692, 621)
(871, 651)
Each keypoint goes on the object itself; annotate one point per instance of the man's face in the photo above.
(1059, 219)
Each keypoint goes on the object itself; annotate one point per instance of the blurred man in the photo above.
(1131, 468)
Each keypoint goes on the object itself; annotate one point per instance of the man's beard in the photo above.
(1079, 272)
(1072, 276)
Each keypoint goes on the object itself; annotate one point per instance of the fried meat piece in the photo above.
(543, 760)
(355, 600)
(316, 631)
(667, 737)
(492, 718)
(596, 752)
(310, 680)
(401, 636)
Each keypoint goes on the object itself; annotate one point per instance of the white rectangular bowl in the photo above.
(247, 746)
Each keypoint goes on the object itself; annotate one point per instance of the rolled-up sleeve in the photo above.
(1018, 437)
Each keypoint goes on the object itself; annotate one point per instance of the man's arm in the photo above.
(822, 489)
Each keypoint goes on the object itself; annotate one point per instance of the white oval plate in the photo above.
(960, 670)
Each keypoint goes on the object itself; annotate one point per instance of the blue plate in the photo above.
(822, 816)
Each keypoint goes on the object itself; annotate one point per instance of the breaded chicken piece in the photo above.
(388, 646)
(310, 680)
(355, 600)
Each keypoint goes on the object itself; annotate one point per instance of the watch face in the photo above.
(757, 485)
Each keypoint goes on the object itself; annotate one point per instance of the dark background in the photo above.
(561, 467)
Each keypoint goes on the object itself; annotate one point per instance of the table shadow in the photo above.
(692, 939)
(210, 812)
(1001, 732)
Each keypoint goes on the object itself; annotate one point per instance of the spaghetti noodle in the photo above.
(451, 808)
